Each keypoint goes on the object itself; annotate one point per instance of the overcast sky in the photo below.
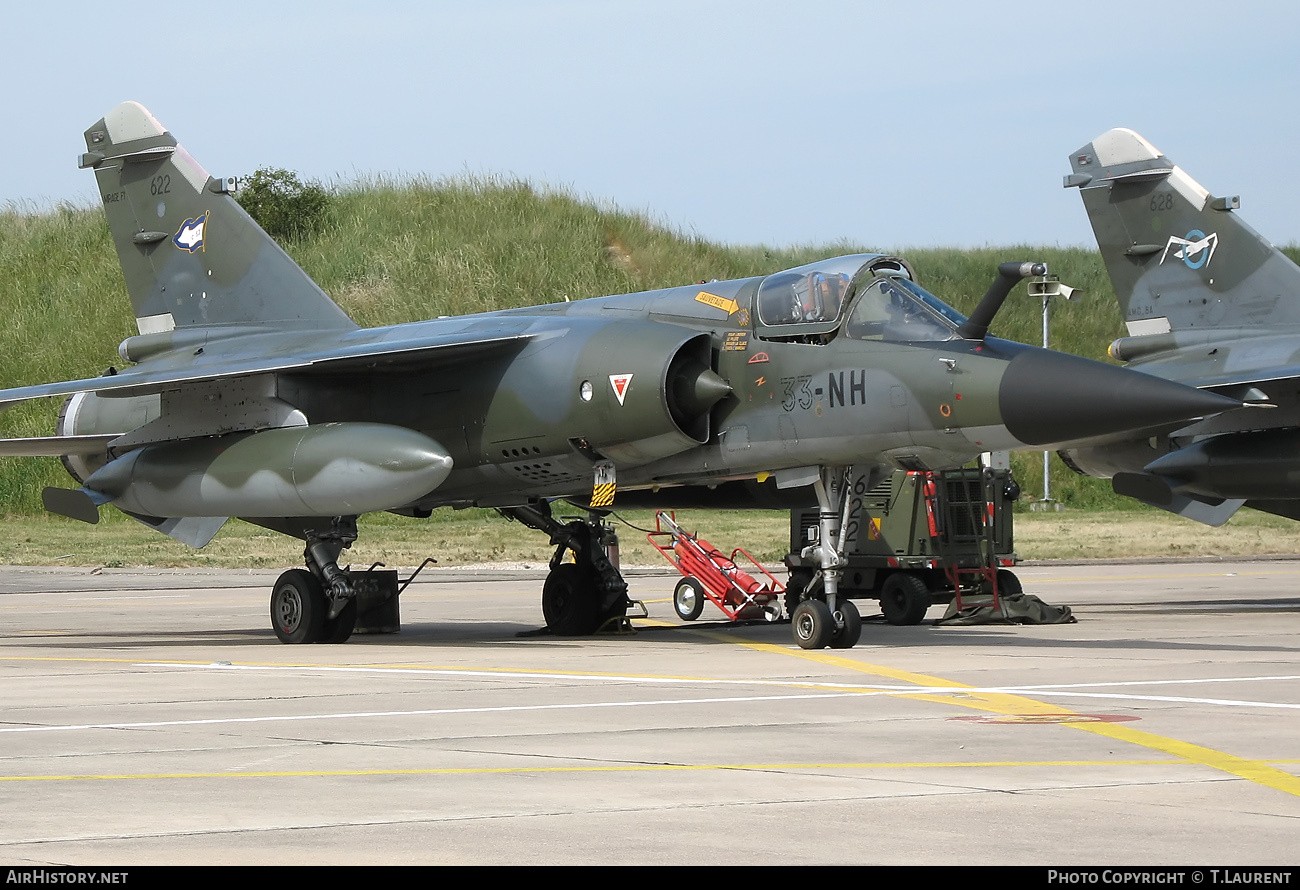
(885, 124)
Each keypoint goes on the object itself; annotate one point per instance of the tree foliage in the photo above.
(287, 208)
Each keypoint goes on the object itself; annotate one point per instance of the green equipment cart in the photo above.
(917, 539)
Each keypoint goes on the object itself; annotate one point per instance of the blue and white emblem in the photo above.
(1196, 250)
(191, 234)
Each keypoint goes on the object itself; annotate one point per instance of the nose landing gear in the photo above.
(819, 616)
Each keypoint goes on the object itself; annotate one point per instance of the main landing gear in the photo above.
(819, 616)
(319, 604)
(582, 596)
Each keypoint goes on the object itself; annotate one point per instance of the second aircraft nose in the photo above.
(1049, 398)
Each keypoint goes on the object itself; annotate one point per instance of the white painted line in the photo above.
(708, 681)
(152, 596)
(877, 690)
(218, 721)
(103, 593)
(1060, 690)
(226, 721)
(1050, 686)
(1167, 698)
(518, 675)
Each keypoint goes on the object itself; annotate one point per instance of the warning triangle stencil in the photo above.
(620, 383)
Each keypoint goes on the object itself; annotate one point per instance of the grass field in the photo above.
(478, 536)
(401, 250)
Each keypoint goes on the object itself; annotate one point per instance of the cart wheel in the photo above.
(904, 598)
(847, 637)
(813, 624)
(688, 598)
(794, 588)
(1009, 584)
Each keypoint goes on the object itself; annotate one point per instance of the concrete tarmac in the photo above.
(151, 717)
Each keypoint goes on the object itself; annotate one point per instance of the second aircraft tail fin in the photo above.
(1178, 257)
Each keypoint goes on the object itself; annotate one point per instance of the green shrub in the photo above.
(287, 208)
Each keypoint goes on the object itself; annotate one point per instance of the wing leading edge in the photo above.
(368, 356)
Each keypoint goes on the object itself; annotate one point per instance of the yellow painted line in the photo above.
(995, 702)
(70, 658)
(1254, 770)
(1006, 703)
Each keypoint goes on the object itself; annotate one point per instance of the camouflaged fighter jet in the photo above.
(249, 393)
(1210, 303)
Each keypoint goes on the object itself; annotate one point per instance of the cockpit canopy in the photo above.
(900, 311)
(881, 299)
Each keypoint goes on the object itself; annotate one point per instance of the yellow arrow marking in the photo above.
(717, 302)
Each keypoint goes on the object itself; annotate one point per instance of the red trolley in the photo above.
(710, 574)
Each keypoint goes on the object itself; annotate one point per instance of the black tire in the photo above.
(688, 599)
(794, 588)
(813, 624)
(1009, 584)
(904, 598)
(340, 627)
(847, 635)
(569, 601)
(298, 607)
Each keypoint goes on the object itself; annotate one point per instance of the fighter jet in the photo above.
(249, 393)
(1210, 303)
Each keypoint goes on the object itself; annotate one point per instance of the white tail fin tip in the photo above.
(1122, 146)
(130, 121)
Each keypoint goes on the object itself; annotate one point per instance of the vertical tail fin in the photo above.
(190, 254)
(1177, 256)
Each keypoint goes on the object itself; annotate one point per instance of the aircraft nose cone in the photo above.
(1048, 398)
